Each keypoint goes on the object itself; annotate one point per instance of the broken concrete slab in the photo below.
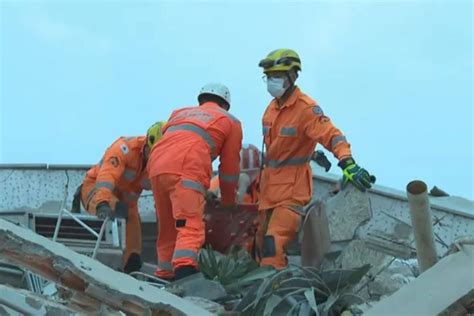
(316, 239)
(197, 285)
(208, 305)
(346, 212)
(357, 254)
(29, 303)
(387, 283)
(390, 245)
(453, 274)
(86, 276)
(385, 276)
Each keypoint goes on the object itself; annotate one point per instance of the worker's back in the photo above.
(193, 138)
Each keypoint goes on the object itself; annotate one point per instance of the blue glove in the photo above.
(358, 176)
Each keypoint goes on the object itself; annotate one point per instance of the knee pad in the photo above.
(268, 249)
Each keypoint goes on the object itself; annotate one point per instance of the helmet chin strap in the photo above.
(289, 79)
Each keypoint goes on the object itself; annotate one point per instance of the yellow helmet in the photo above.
(153, 134)
(282, 59)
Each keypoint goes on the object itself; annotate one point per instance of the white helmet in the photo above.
(216, 89)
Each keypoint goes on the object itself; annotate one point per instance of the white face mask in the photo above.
(275, 86)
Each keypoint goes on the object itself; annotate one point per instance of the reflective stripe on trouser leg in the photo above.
(187, 205)
(162, 187)
(283, 225)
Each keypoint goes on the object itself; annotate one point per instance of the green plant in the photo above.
(303, 290)
(234, 271)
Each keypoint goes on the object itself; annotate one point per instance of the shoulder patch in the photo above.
(124, 148)
(317, 110)
(114, 161)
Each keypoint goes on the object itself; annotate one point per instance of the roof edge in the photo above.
(44, 166)
(438, 203)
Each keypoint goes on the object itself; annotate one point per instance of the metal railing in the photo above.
(64, 211)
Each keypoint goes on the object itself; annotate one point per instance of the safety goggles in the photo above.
(267, 63)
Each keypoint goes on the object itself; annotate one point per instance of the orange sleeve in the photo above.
(320, 128)
(111, 170)
(229, 168)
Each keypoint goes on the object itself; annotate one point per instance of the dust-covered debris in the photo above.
(90, 280)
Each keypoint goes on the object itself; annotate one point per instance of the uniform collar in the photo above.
(290, 101)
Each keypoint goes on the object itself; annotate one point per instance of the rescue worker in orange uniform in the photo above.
(293, 124)
(112, 188)
(249, 171)
(180, 170)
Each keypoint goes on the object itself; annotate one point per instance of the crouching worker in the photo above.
(112, 188)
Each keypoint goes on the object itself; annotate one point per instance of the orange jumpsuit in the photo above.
(119, 176)
(291, 133)
(180, 170)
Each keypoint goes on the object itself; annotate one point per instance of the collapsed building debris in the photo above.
(342, 233)
(91, 283)
(28, 303)
(449, 284)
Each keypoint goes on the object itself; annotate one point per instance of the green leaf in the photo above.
(271, 303)
(332, 256)
(332, 299)
(205, 264)
(358, 274)
(310, 296)
(250, 277)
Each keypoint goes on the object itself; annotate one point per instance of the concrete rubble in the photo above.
(447, 288)
(341, 226)
(91, 283)
(28, 303)
(198, 286)
(343, 230)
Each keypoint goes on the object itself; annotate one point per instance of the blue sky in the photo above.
(395, 76)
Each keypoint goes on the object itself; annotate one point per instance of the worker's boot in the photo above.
(185, 271)
(134, 263)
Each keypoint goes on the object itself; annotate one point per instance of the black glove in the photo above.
(320, 158)
(104, 210)
(211, 198)
(358, 176)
